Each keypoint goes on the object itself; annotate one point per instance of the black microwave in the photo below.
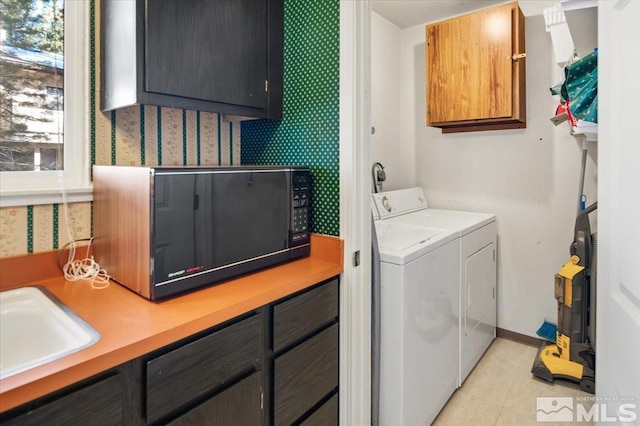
(161, 231)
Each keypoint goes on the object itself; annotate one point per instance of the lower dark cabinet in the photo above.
(231, 374)
(303, 314)
(304, 375)
(97, 404)
(326, 415)
(238, 405)
(177, 378)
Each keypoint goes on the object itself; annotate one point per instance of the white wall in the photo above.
(395, 153)
(528, 177)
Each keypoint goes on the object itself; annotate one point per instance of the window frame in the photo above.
(47, 187)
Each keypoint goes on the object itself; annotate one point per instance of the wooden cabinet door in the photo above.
(304, 376)
(238, 405)
(326, 415)
(98, 404)
(208, 50)
(177, 378)
(300, 316)
(471, 76)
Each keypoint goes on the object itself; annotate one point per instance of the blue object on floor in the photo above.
(548, 331)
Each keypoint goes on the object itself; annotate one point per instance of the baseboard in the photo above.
(520, 338)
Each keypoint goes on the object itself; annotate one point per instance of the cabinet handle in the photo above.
(517, 56)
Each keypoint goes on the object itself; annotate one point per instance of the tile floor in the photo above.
(501, 390)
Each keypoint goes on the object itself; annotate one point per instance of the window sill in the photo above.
(47, 196)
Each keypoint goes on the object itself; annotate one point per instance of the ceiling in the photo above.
(407, 13)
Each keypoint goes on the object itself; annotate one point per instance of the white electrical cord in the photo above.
(83, 269)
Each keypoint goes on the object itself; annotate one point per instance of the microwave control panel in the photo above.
(300, 204)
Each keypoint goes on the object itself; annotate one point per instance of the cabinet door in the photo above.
(177, 378)
(300, 316)
(238, 405)
(97, 404)
(207, 50)
(326, 415)
(305, 375)
(471, 76)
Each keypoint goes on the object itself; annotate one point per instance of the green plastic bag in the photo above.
(580, 87)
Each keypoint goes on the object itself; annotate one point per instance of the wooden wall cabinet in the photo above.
(276, 365)
(476, 71)
(222, 56)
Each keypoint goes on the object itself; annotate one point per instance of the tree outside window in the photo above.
(31, 85)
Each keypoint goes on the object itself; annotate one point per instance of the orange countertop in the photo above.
(131, 326)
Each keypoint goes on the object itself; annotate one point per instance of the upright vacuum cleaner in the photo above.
(572, 356)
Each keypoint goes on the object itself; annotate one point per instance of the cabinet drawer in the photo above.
(184, 374)
(100, 403)
(326, 415)
(238, 405)
(304, 375)
(302, 315)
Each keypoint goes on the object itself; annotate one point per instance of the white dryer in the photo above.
(477, 233)
(419, 321)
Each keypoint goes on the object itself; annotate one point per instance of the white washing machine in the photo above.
(419, 321)
(477, 233)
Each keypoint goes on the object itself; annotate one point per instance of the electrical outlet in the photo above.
(381, 176)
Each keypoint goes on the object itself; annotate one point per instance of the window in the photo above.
(44, 101)
(54, 98)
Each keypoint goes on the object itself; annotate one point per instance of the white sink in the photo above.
(36, 328)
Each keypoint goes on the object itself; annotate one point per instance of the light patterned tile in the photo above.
(512, 417)
(510, 352)
(500, 367)
(490, 380)
(522, 395)
(503, 379)
(465, 409)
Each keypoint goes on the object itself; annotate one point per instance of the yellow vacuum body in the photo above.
(572, 357)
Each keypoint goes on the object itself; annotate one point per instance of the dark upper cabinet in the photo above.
(221, 56)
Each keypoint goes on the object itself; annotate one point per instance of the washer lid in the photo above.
(400, 244)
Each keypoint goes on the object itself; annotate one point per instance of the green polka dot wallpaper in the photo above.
(308, 132)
